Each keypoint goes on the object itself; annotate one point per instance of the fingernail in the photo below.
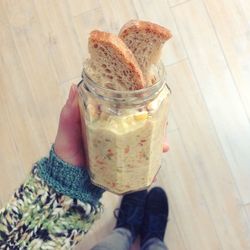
(72, 94)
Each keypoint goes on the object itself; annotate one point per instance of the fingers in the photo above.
(165, 147)
(70, 112)
(68, 142)
(155, 179)
(72, 95)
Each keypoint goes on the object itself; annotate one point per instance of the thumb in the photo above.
(70, 113)
(72, 95)
(68, 142)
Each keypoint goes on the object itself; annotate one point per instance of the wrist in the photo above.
(65, 154)
(73, 155)
(65, 178)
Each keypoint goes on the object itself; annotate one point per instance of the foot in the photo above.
(131, 212)
(155, 215)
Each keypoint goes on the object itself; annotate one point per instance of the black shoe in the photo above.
(131, 212)
(155, 215)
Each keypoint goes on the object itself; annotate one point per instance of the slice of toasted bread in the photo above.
(112, 64)
(145, 40)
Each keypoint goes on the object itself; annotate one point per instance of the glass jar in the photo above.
(123, 132)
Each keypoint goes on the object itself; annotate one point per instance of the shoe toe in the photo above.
(157, 200)
(135, 197)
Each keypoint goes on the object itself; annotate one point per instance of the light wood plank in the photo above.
(87, 22)
(19, 103)
(78, 7)
(212, 171)
(38, 70)
(172, 126)
(173, 3)
(232, 29)
(159, 12)
(218, 89)
(60, 38)
(116, 13)
(232, 19)
(247, 209)
(18, 137)
(186, 199)
(245, 8)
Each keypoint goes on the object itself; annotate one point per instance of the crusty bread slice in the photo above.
(112, 64)
(145, 40)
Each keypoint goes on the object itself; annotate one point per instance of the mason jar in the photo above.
(123, 132)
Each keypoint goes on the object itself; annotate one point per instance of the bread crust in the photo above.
(138, 25)
(122, 52)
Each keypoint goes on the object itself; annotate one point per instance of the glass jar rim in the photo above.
(119, 95)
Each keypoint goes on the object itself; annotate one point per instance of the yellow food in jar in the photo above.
(141, 117)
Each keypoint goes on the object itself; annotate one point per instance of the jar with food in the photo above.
(123, 132)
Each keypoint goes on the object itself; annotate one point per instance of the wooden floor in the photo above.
(207, 171)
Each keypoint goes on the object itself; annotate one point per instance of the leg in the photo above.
(119, 239)
(128, 223)
(154, 244)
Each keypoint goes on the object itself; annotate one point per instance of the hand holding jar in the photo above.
(68, 144)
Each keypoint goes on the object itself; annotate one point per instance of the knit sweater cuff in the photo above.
(68, 179)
